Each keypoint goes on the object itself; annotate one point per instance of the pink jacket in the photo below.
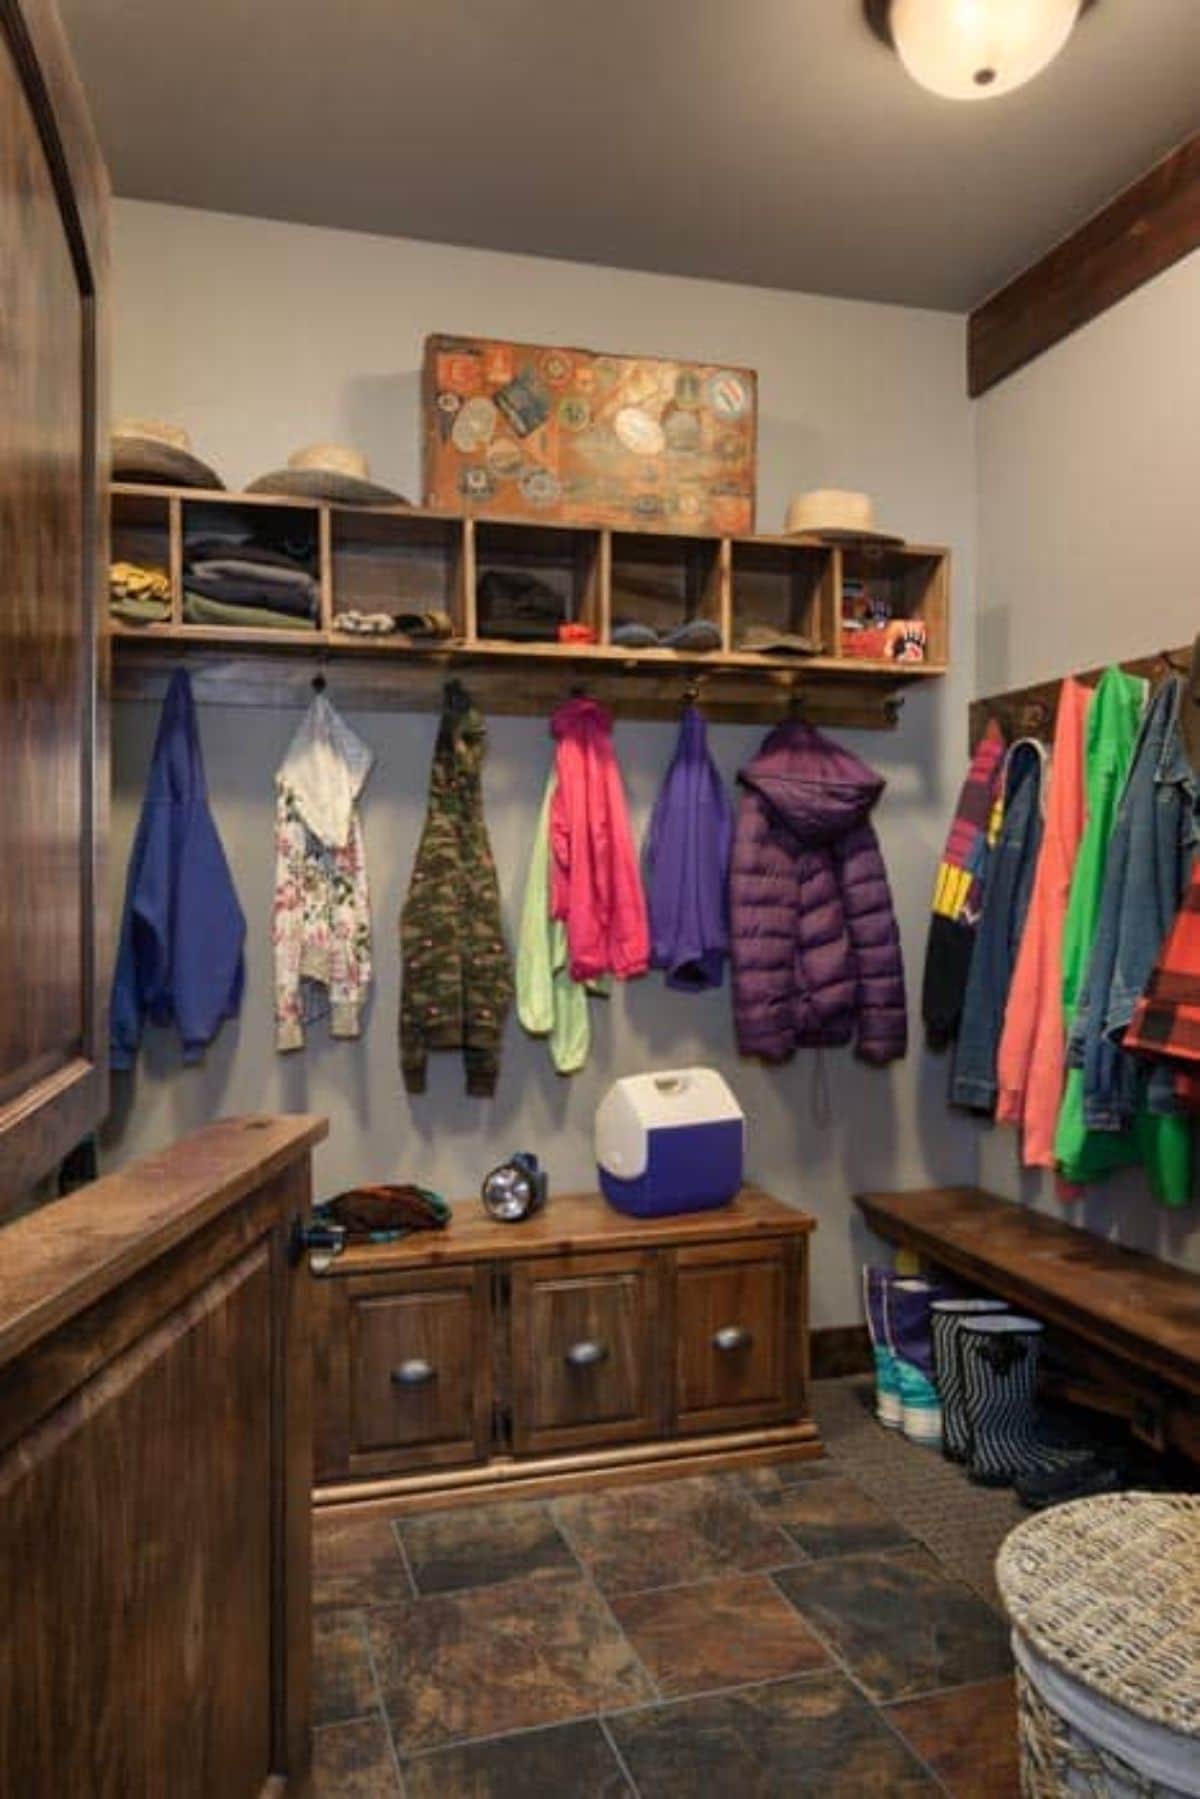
(1031, 1062)
(595, 882)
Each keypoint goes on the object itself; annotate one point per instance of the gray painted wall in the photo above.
(1089, 470)
(261, 336)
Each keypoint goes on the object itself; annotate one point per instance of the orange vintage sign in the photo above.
(537, 431)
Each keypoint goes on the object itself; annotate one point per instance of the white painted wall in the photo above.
(1089, 479)
(261, 336)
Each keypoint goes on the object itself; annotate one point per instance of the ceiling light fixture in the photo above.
(974, 49)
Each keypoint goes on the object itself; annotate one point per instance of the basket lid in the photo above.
(1108, 1590)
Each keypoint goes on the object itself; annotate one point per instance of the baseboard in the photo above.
(506, 1478)
(843, 1349)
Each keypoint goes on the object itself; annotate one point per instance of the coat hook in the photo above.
(318, 683)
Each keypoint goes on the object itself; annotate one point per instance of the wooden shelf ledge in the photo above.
(276, 668)
(396, 559)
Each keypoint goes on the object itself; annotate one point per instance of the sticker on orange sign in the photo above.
(459, 372)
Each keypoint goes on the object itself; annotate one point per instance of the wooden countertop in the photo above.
(71, 1252)
(1119, 1299)
(572, 1223)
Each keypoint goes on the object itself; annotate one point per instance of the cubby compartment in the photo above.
(659, 586)
(400, 563)
(251, 566)
(783, 598)
(886, 590)
(140, 537)
(532, 579)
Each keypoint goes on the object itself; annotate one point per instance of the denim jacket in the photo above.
(1006, 898)
(1149, 860)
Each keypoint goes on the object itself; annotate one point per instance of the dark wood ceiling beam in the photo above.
(1145, 229)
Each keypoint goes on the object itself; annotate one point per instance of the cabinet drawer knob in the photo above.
(586, 1354)
(732, 1336)
(413, 1373)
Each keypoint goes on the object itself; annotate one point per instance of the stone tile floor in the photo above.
(825, 1629)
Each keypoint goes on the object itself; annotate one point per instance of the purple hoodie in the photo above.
(816, 949)
(687, 865)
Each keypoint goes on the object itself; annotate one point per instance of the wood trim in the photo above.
(572, 1224)
(840, 1350)
(576, 1472)
(1032, 711)
(1144, 230)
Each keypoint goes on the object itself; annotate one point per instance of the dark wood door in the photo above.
(420, 1369)
(586, 1366)
(736, 1338)
(53, 432)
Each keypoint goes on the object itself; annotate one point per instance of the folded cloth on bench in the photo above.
(381, 1212)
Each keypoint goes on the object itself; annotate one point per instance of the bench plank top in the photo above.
(1120, 1299)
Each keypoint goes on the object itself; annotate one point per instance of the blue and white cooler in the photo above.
(670, 1142)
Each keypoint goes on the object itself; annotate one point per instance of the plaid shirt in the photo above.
(1166, 1022)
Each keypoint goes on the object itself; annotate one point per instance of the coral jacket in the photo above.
(1030, 1063)
(595, 883)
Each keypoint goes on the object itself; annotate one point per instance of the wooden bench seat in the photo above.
(1134, 1321)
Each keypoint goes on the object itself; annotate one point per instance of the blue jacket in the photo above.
(1006, 898)
(687, 865)
(180, 956)
(1149, 861)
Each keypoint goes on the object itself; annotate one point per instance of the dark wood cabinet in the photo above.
(738, 1356)
(420, 1367)
(495, 1355)
(156, 1477)
(53, 536)
(585, 1339)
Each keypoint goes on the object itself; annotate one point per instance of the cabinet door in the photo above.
(53, 566)
(419, 1372)
(585, 1361)
(737, 1354)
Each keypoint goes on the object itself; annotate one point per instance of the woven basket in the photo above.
(1106, 1592)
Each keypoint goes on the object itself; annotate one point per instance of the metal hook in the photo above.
(318, 683)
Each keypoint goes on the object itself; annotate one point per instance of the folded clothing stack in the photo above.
(383, 1212)
(519, 607)
(228, 581)
(139, 595)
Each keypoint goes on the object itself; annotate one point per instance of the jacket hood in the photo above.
(325, 768)
(577, 715)
(820, 790)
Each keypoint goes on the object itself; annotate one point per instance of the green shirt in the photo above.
(1162, 1143)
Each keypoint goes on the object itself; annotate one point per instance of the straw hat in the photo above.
(149, 450)
(328, 472)
(838, 516)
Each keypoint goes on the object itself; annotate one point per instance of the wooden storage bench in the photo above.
(578, 1343)
(1126, 1324)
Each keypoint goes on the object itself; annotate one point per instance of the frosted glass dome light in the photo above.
(976, 49)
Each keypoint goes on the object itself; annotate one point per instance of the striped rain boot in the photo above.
(946, 1317)
(999, 1365)
(889, 1408)
(906, 1310)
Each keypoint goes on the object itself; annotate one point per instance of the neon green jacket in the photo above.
(549, 1003)
(1162, 1143)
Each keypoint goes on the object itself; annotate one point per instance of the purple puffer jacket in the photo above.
(816, 949)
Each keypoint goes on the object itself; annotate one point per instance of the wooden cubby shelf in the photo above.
(400, 559)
